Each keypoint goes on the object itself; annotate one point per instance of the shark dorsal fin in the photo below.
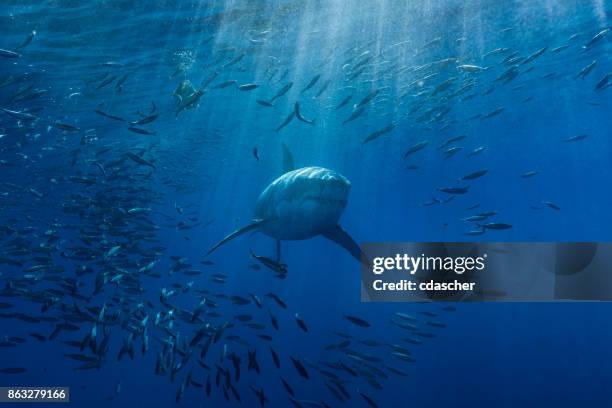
(288, 163)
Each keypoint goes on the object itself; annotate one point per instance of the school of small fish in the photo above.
(82, 239)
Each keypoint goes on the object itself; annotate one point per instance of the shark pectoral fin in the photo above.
(251, 227)
(288, 163)
(342, 238)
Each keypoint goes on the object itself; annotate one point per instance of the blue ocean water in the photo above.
(96, 215)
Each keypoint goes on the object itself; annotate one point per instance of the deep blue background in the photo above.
(490, 354)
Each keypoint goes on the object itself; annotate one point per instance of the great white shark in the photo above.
(301, 204)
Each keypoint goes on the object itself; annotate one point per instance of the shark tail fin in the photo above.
(278, 250)
(288, 163)
(251, 227)
(342, 238)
